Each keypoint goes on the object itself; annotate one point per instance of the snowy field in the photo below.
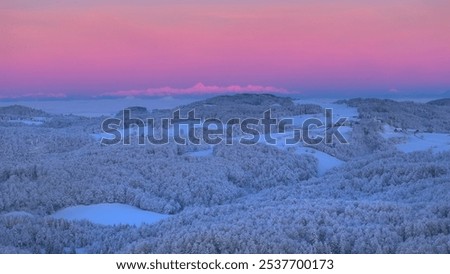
(325, 161)
(409, 141)
(109, 214)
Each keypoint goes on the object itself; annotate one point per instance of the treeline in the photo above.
(434, 117)
(43, 172)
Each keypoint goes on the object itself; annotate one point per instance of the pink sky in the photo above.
(101, 47)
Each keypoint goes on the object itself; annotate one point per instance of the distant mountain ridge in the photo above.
(247, 105)
(19, 111)
(440, 102)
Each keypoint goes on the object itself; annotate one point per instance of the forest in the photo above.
(385, 191)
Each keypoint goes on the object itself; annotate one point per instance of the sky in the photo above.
(97, 48)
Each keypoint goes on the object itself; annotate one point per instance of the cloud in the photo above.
(197, 89)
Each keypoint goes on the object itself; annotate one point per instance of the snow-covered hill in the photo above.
(385, 190)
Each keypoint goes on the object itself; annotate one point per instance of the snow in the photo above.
(437, 142)
(110, 214)
(299, 120)
(391, 132)
(109, 136)
(201, 153)
(409, 141)
(103, 135)
(17, 214)
(27, 122)
(339, 110)
(183, 129)
(326, 161)
(81, 250)
(346, 131)
(134, 131)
